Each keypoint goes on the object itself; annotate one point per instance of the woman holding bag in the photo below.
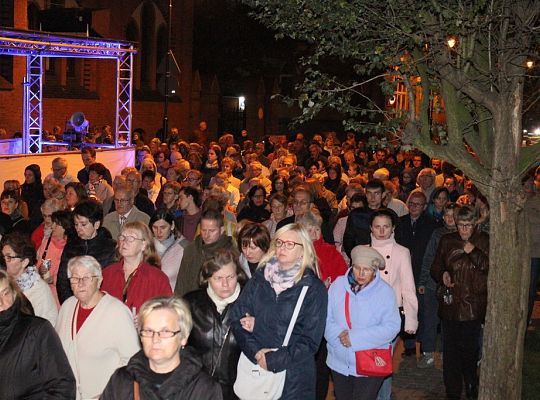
(264, 313)
(362, 315)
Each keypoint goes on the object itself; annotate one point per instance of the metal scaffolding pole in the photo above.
(32, 107)
(124, 89)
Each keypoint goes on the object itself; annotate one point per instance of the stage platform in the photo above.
(12, 165)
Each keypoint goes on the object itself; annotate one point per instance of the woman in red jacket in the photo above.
(136, 277)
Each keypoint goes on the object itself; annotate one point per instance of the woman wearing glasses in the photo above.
(461, 268)
(136, 277)
(164, 369)
(256, 210)
(221, 279)
(265, 307)
(96, 330)
(19, 259)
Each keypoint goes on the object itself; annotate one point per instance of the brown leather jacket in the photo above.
(469, 274)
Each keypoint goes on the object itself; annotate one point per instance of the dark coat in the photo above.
(102, 248)
(187, 382)
(417, 239)
(33, 364)
(33, 195)
(357, 230)
(469, 274)
(253, 213)
(272, 316)
(207, 338)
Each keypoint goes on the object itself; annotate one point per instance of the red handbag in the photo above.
(372, 362)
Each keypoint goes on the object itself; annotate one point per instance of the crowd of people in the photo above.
(282, 255)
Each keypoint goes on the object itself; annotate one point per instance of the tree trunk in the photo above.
(508, 283)
(509, 274)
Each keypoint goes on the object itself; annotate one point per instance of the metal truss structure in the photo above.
(37, 45)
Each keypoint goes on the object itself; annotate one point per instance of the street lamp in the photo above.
(451, 42)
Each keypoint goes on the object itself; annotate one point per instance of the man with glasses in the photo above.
(126, 211)
(302, 203)
(143, 203)
(414, 232)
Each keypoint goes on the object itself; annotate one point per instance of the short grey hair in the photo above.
(88, 262)
(52, 205)
(310, 218)
(176, 305)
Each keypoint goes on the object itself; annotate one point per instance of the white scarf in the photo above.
(220, 303)
(163, 246)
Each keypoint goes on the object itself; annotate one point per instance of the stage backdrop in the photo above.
(12, 166)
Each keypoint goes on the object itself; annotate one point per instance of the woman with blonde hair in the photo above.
(136, 277)
(263, 311)
(164, 368)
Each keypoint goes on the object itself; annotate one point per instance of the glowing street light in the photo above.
(529, 64)
(451, 42)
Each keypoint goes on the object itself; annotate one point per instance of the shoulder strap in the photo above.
(347, 314)
(136, 394)
(295, 315)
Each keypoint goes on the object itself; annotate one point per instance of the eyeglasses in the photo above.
(9, 258)
(289, 244)
(122, 200)
(412, 204)
(301, 202)
(74, 280)
(149, 333)
(129, 239)
(465, 226)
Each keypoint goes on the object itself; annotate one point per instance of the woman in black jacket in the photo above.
(210, 306)
(261, 315)
(92, 240)
(256, 210)
(32, 193)
(33, 364)
(163, 369)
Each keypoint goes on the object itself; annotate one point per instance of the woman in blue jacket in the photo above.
(262, 313)
(374, 320)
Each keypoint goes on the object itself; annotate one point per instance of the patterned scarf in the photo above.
(28, 278)
(279, 279)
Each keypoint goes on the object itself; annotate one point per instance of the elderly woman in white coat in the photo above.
(397, 273)
(96, 329)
